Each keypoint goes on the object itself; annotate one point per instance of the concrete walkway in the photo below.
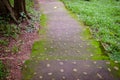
(72, 52)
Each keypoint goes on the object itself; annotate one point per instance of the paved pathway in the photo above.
(66, 55)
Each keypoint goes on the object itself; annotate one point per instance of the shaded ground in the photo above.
(15, 61)
(23, 43)
(63, 53)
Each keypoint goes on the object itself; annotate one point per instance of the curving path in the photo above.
(65, 54)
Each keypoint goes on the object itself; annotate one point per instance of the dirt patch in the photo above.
(14, 61)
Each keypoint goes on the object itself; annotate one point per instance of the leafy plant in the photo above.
(15, 49)
(3, 42)
(3, 71)
(9, 30)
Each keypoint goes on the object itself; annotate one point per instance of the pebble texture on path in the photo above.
(63, 40)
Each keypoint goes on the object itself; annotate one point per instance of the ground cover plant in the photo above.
(10, 31)
(103, 18)
(3, 71)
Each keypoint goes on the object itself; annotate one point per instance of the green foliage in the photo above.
(23, 14)
(15, 49)
(29, 6)
(12, 2)
(3, 71)
(34, 14)
(9, 30)
(3, 42)
(103, 17)
(6, 31)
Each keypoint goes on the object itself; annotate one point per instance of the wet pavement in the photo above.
(63, 53)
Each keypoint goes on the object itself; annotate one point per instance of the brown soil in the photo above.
(14, 61)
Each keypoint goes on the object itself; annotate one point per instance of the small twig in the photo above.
(4, 58)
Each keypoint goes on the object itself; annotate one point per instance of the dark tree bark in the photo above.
(15, 12)
(3, 9)
(7, 8)
(19, 7)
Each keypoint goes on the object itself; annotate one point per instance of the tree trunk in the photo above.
(8, 8)
(3, 9)
(19, 7)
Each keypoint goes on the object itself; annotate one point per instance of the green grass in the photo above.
(43, 20)
(3, 71)
(98, 53)
(103, 18)
(29, 6)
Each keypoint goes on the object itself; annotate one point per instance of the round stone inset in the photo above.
(85, 73)
(75, 70)
(91, 55)
(55, 7)
(99, 75)
(48, 65)
(61, 63)
(61, 70)
(49, 74)
(40, 77)
(63, 77)
(109, 69)
(94, 62)
(116, 68)
(35, 73)
(47, 59)
(74, 62)
(116, 61)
